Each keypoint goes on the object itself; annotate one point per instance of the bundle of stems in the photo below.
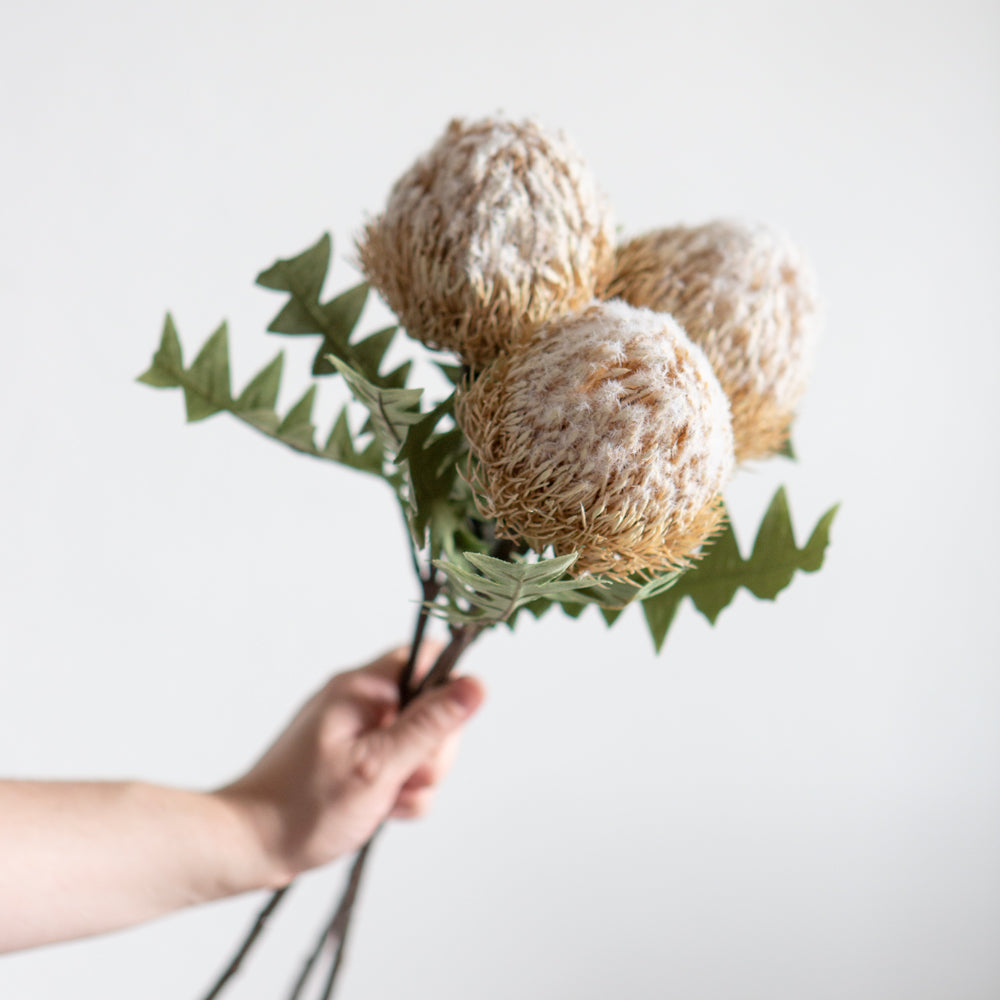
(334, 933)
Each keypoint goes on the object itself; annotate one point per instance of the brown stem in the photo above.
(333, 929)
(431, 586)
(336, 928)
(461, 638)
(248, 942)
(341, 922)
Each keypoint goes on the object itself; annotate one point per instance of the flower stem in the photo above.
(461, 638)
(431, 585)
(248, 942)
(336, 928)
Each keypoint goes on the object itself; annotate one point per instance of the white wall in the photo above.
(800, 803)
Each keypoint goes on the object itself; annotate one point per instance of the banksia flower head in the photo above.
(606, 433)
(745, 295)
(498, 228)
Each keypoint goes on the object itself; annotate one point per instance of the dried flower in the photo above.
(498, 228)
(606, 433)
(745, 295)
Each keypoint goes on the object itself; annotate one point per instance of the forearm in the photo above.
(80, 858)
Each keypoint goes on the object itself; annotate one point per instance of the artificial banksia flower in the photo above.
(498, 228)
(606, 433)
(744, 294)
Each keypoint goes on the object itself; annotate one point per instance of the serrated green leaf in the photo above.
(168, 363)
(302, 277)
(539, 606)
(494, 589)
(396, 379)
(206, 389)
(296, 320)
(611, 615)
(297, 427)
(774, 535)
(720, 574)
(788, 449)
(343, 312)
(431, 458)
(371, 351)
(340, 448)
(303, 274)
(340, 445)
(301, 412)
(265, 421)
(261, 392)
(713, 582)
(660, 614)
(391, 410)
(453, 373)
(811, 557)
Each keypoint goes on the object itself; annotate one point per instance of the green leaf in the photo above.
(297, 428)
(660, 616)
(539, 606)
(206, 389)
(370, 351)
(340, 448)
(302, 275)
(261, 392)
(343, 312)
(396, 379)
(302, 278)
(391, 410)
(206, 392)
(168, 365)
(611, 615)
(453, 373)
(788, 449)
(811, 557)
(493, 589)
(339, 318)
(431, 459)
(612, 596)
(713, 582)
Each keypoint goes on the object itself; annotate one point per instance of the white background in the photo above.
(802, 803)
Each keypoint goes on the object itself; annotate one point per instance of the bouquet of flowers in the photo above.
(600, 397)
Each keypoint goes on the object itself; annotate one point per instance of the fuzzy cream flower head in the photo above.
(745, 295)
(606, 433)
(497, 229)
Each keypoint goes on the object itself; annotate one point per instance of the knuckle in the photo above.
(368, 760)
(437, 719)
(413, 805)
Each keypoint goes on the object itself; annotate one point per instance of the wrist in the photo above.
(255, 826)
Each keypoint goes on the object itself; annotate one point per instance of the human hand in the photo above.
(347, 761)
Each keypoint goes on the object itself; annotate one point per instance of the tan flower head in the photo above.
(745, 295)
(498, 228)
(605, 433)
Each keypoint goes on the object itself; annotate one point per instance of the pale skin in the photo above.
(81, 858)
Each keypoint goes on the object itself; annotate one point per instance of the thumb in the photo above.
(425, 724)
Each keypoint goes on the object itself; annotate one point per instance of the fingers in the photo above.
(367, 697)
(433, 770)
(420, 732)
(413, 804)
(391, 664)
